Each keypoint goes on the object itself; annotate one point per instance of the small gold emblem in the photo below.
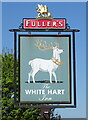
(43, 12)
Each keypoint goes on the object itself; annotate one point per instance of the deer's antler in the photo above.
(42, 45)
(57, 44)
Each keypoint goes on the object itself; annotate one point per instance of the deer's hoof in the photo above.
(28, 81)
(50, 82)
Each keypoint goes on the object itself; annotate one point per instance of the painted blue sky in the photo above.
(75, 13)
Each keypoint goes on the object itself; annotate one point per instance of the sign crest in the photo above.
(43, 12)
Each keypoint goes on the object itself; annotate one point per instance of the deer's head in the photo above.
(42, 45)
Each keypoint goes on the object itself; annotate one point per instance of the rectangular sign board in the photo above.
(45, 69)
(44, 23)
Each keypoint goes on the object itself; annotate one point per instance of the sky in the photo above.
(75, 13)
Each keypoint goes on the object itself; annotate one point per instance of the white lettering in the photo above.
(27, 92)
(49, 91)
(56, 92)
(45, 98)
(43, 24)
(35, 92)
(48, 24)
(27, 22)
(39, 24)
(59, 92)
(63, 92)
(54, 24)
(60, 24)
(46, 86)
(33, 24)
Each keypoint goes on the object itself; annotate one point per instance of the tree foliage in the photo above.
(9, 112)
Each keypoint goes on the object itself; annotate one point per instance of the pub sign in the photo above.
(45, 71)
(45, 61)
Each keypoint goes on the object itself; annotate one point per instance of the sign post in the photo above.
(45, 113)
(47, 73)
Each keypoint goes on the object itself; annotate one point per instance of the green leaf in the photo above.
(8, 110)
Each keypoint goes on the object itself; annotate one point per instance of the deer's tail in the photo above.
(30, 62)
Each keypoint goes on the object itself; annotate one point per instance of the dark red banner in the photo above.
(44, 23)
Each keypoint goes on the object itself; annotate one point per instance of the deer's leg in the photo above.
(33, 75)
(50, 77)
(29, 75)
(55, 77)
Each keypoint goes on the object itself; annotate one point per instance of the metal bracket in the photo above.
(29, 33)
(21, 26)
(47, 114)
(59, 33)
(55, 116)
(67, 26)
